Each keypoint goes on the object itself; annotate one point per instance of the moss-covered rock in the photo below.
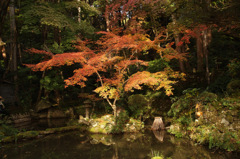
(102, 125)
(20, 136)
(27, 135)
(106, 125)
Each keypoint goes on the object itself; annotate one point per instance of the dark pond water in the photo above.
(41, 124)
(75, 145)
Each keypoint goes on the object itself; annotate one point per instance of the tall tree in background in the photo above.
(58, 23)
(196, 16)
(13, 40)
(3, 11)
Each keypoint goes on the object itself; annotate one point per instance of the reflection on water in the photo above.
(75, 145)
(42, 124)
(159, 135)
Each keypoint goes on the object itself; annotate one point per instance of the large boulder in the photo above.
(102, 125)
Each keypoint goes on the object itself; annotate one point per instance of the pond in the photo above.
(76, 145)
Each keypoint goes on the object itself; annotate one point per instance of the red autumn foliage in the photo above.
(113, 55)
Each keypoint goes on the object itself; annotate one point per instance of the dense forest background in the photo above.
(135, 59)
(199, 38)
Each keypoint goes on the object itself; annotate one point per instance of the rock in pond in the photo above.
(106, 123)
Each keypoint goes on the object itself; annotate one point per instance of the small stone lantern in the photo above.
(87, 105)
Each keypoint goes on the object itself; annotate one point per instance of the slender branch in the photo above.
(101, 81)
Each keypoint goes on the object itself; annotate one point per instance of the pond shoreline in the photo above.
(34, 134)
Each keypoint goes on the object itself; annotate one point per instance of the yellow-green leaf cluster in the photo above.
(106, 91)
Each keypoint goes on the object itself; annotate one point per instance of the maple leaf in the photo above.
(107, 92)
(110, 61)
(60, 60)
(80, 76)
(156, 81)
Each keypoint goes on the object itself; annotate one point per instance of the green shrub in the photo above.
(136, 104)
(234, 67)
(121, 120)
(233, 87)
(7, 130)
(141, 106)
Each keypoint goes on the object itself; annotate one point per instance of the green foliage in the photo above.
(233, 88)
(31, 82)
(191, 92)
(220, 84)
(84, 6)
(234, 68)
(224, 48)
(137, 103)
(157, 155)
(120, 123)
(230, 103)
(43, 22)
(7, 130)
(52, 83)
(208, 128)
(210, 135)
(57, 48)
(207, 97)
(141, 105)
(185, 120)
(184, 103)
(177, 133)
(157, 65)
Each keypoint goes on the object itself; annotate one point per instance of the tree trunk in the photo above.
(13, 45)
(114, 107)
(179, 49)
(107, 23)
(57, 35)
(44, 34)
(79, 13)
(115, 154)
(200, 53)
(3, 11)
(207, 35)
(106, 15)
(13, 40)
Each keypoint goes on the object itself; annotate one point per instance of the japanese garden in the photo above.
(116, 79)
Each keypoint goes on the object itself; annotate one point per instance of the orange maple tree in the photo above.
(110, 61)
